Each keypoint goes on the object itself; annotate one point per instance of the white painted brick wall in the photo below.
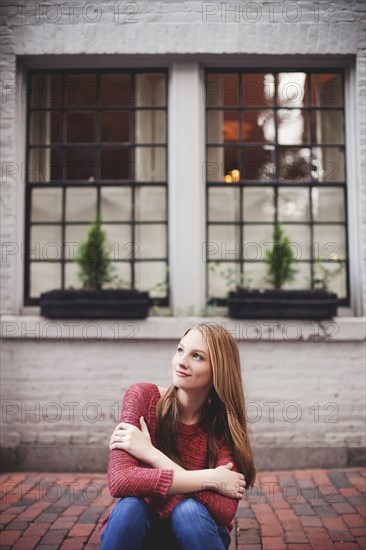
(302, 373)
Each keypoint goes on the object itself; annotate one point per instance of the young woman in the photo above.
(180, 458)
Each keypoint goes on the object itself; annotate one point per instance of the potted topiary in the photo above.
(92, 301)
(277, 303)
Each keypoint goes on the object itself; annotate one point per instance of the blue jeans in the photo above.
(132, 525)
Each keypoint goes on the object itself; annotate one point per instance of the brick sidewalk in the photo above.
(293, 510)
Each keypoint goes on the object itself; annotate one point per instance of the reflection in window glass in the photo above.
(230, 198)
(116, 165)
(292, 126)
(81, 164)
(150, 90)
(328, 204)
(222, 89)
(258, 126)
(80, 127)
(46, 205)
(150, 203)
(293, 204)
(80, 90)
(45, 128)
(115, 126)
(258, 204)
(222, 126)
(150, 274)
(258, 89)
(327, 90)
(115, 90)
(328, 164)
(80, 204)
(150, 127)
(116, 203)
(258, 164)
(292, 89)
(151, 241)
(293, 164)
(44, 165)
(46, 92)
(44, 276)
(327, 127)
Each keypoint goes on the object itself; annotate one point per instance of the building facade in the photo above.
(191, 128)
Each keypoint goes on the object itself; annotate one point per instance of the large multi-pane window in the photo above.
(96, 145)
(275, 153)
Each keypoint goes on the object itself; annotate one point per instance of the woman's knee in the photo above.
(187, 509)
(130, 508)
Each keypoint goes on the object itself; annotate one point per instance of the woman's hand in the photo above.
(228, 483)
(136, 442)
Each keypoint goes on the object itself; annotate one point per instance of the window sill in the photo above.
(33, 327)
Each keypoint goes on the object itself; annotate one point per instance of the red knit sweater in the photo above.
(129, 477)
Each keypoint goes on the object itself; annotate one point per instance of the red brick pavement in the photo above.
(292, 510)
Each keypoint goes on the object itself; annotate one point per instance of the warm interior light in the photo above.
(233, 175)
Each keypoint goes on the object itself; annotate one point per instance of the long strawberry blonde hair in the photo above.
(225, 416)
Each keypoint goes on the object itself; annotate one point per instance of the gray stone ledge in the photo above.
(40, 329)
(82, 458)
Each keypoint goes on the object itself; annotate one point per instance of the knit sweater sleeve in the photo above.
(221, 508)
(126, 477)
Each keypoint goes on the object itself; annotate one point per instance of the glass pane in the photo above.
(44, 165)
(223, 204)
(45, 242)
(150, 127)
(327, 127)
(224, 242)
(44, 277)
(258, 163)
(80, 90)
(292, 89)
(258, 204)
(222, 126)
(217, 283)
(71, 275)
(292, 126)
(150, 90)
(150, 274)
(302, 279)
(257, 271)
(257, 239)
(222, 89)
(46, 91)
(338, 283)
(223, 164)
(293, 204)
(150, 204)
(74, 236)
(150, 164)
(293, 164)
(330, 242)
(151, 241)
(116, 164)
(299, 237)
(116, 89)
(328, 204)
(327, 90)
(258, 89)
(115, 127)
(122, 270)
(81, 164)
(45, 127)
(46, 205)
(80, 127)
(328, 164)
(258, 126)
(116, 203)
(120, 243)
(81, 204)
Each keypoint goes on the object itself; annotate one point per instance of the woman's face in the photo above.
(192, 359)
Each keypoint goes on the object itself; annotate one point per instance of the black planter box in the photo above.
(95, 304)
(282, 304)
